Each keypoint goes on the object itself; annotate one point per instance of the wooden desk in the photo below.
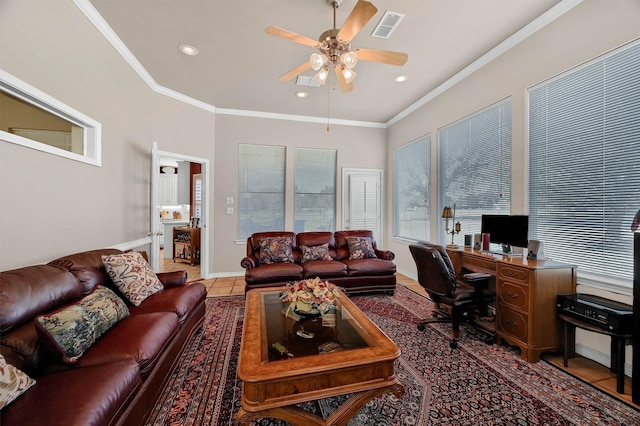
(526, 293)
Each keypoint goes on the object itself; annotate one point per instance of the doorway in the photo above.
(362, 201)
(179, 206)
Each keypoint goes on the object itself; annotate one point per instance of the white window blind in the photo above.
(411, 190)
(315, 190)
(584, 182)
(475, 166)
(261, 184)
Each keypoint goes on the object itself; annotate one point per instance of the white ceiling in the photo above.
(239, 64)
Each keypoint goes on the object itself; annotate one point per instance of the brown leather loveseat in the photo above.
(349, 259)
(118, 378)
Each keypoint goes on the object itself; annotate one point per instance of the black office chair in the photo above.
(437, 275)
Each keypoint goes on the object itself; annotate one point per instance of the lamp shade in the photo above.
(446, 213)
(317, 61)
(349, 59)
(321, 76)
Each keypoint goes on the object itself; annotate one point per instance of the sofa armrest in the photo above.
(385, 254)
(172, 279)
(248, 262)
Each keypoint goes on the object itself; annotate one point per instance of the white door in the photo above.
(362, 201)
(156, 230)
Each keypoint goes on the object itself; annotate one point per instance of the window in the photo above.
(315, 190)
(584, 179)
(411, 190)
(475, 166)
(30, 118)
(261, 184)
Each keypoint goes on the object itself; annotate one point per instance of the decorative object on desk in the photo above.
(486, 238)
(477, 241)
(446, 215)
(535, 250)
(310, 297)
(468, 240)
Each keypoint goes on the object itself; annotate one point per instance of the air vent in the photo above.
(305, 80)
(388, 23)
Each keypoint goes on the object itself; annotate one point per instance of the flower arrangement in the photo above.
(310, 294)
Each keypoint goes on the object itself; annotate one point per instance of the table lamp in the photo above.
(447, 214)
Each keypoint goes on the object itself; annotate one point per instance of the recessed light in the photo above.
(302, 94)
(401, 78)
(187, 49)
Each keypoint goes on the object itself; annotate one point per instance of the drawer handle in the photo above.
(512, 295)
(511, 323)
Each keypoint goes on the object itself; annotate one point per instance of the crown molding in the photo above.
(549, 16)
(526, 31)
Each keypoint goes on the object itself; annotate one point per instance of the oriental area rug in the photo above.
(475, 384)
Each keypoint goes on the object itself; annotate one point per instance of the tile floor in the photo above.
(587, 370)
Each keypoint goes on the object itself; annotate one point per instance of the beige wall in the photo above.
(357, 148)
(51, 206)
(589, 30)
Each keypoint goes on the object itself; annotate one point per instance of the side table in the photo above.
(618, 342)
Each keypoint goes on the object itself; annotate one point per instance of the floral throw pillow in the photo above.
(275, 250)
(319, 252)
(13, 382)
(72, 330)
(361, 248)
(133, 276)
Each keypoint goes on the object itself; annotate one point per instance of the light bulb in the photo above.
(349, 59)
(317, 61)
(348, 74)
(321, 76)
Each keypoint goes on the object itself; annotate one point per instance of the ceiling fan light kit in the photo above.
(334, 47)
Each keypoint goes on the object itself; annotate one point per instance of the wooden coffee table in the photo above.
(362, 365)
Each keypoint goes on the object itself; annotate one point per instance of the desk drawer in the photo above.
(510, 273)
(478, 264)
(513, 295)
(512, 323)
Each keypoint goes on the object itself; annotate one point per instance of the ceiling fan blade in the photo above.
(295, 72)
(384, 56)
(362, 12)
(346, 87)
(286, 34)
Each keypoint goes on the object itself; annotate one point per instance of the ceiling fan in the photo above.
(335, 50)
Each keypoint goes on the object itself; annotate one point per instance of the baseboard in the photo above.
(599, 357)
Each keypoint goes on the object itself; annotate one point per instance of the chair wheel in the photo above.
(421, 327)
(453, 344)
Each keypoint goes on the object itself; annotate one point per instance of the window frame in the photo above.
(470, 216)
(297, 150)
(92, 147)
(587, 274)
(426, 139)
(283, 150)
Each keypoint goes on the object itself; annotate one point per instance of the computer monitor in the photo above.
(508, 230)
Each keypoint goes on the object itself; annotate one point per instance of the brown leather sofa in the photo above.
(353, 275)
(117, 381)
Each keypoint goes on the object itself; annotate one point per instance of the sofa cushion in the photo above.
(132, 275)
(70, 331)
(87, 267)
(33, 290)
(22, 348)
(142, 338)
(369, 267)
(277, 272)
(324, 268)
(319, 252)
(275, 250)
(88, 396)
(180, 300)
(360, 248)
(13, 382)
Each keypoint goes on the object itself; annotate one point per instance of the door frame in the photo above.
(346, 194)
(155, 213)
